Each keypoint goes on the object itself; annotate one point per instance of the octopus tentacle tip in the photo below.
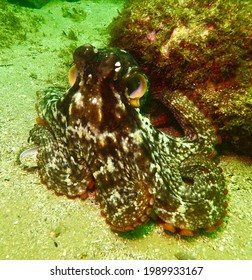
(186, 232)
(210, 229)
(122, 229)
(94, 137)
(84, 195)
(40, 121)
(169, 227)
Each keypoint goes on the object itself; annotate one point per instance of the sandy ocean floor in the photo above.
(37, 224)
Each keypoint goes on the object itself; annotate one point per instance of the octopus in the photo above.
(95, 135)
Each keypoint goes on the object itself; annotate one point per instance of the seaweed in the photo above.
(139, 232)
(74, 13)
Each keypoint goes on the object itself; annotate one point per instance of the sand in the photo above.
(37, 224)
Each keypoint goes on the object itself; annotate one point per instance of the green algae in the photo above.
(139, 232)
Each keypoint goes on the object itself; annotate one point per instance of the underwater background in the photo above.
(36, 46)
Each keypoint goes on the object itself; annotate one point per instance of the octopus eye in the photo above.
(138, 87)
(73, 73)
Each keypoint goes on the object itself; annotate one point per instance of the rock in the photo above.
(231, 110)
(30, 3)
(202, 48)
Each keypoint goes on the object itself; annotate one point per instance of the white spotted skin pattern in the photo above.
(190, 189)
(64, 172)
(138, 170)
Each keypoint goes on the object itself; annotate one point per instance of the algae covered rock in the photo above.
(30, 3)
(231, 110)
(203, 48)
(35, 3)
(17, 24)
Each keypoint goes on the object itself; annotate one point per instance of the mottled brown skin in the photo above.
(93, 131)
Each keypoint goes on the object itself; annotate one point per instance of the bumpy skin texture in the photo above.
(93, 132)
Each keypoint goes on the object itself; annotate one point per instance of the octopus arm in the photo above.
(58, 170)
(126, 206)
(195, 198)
(200, 135)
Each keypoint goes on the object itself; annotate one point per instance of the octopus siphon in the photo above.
(95, 135)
